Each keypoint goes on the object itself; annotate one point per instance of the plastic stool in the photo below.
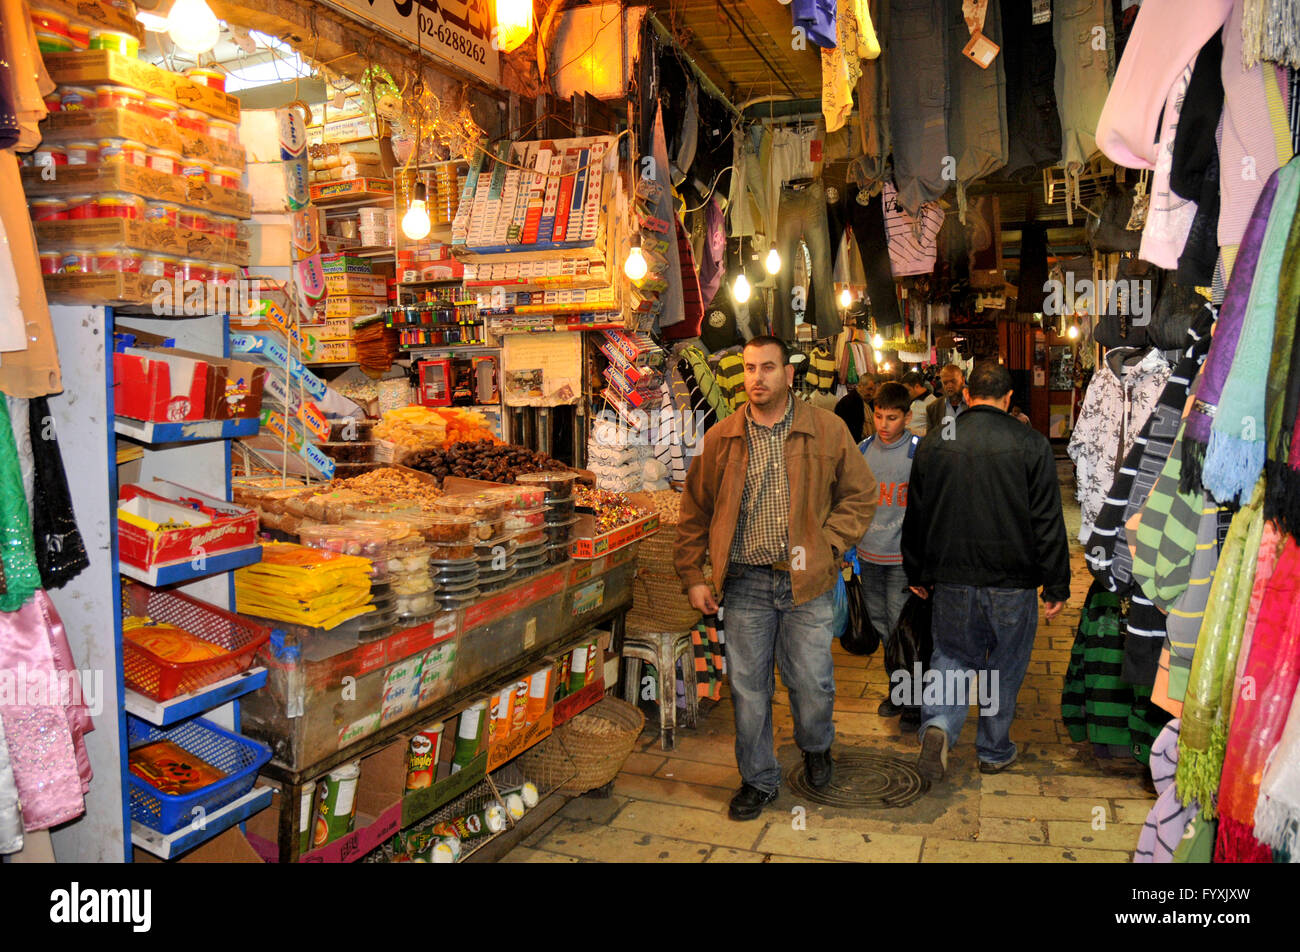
(661, 649)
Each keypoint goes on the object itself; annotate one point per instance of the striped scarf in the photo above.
(1227, 334)
(1236, 451)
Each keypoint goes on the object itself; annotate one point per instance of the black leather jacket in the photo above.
(984, 508)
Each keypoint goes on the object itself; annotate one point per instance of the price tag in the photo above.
(1043, 12)
(981, 50)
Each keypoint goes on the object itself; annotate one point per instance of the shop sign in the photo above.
(458, 32)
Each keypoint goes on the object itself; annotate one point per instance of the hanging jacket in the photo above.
(821, 370)
(731, 379)
(707, 383)
(1113, 413)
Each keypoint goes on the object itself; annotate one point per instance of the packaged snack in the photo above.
(520, 519)
(198, 169)
(117, 151)
(168, 642)
(120, 97)
(170, 769)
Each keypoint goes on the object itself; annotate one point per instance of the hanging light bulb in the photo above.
(878, 343)
(846, 298)
(773, 261)
(1073, 332)
(514, 23)
(416, 223)
(740, 290)
(887, 367)
(636, 267)
(878, 355)
(193, 26)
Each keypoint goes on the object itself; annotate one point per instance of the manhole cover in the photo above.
(864, 780)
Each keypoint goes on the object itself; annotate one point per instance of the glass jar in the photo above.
(162, 213)
(81, 207)
(48, 209)
(77, 261)
(83, 153)
(165, 161)
(122, 261)
(77, 98)
(119, 205)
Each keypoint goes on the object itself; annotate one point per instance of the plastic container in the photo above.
(456, 601)
(159, 266)
(161, 680)
(445, 527)
(160, 107)
(559, 511)
(192, 120)
(236, 756)
(197, 169)
(224, 131)
(193, 219)
(484, 507)
(50, 21)
(53, 43)
(83, 153)
(555, 554)
(192, 269)
(51, 261)
(409, 556)
(412, 583)
(407, 606)
(48, 209)
(80, 35)
(224, 226)
(81, 207)
(120, 97)
(560, 533)
(165, 161)
(75, 98)
(226, 177)
(488, 553)
(117, 42)
(122, 261)
(77, 261)
(520, 519)
(163, 213)
(54, 101)
(212, 78)
(557, 484)
(119, 205)
(531, 537)
(225, 274)
(123, 151)
(53, 155)
(452, 554)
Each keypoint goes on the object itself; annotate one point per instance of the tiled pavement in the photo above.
(1056, 805)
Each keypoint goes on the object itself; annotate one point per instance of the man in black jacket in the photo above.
(983, 531)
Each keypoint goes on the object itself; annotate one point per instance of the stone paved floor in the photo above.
(1055, 805)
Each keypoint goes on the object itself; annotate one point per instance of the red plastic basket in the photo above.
(163, 680)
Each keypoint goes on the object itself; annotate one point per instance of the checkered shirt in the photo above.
(763, 526)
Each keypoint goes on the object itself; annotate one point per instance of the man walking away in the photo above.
(922, 397)
(983, 531)
(953, 403)
(889, 455)
(775, 497)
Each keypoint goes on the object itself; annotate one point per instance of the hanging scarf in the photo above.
(1270, 30)
(1282, 393)
(17, 552)
(1258, 721)
(1234, 455)
(1277, 814)
(1270, 550)
(1204, 731)
(1227, 334)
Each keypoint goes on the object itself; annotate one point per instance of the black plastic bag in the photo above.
(859, 636)
(910, 641)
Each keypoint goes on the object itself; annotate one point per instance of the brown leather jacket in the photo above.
(833, 496)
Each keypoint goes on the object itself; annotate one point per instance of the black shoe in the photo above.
(888, 709)
(911, 717)
(932, 763)
(749, 802)
(819, 767)
(990, 768)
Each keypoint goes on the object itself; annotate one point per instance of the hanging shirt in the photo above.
(841, 66)
(817, 18)
(913, 242)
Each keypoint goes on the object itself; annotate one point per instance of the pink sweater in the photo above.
(1166, 36)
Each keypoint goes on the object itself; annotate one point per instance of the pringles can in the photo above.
(468, 733)
(337, 811)
(519, 707)
(422, 758)
(539, 695)
(578, 668)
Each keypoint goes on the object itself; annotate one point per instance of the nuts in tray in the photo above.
(393, 484)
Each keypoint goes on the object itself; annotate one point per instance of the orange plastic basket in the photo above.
(162, 680)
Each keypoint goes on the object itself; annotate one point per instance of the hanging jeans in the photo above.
(801, 217)
(1033, 124)
(918, 106)
(868, 223)
(977, 118)
(1079, 27)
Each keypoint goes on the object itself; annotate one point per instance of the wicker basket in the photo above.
(591, 748)
(659, 605)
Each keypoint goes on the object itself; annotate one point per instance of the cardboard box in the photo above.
(589, 545)
(337, 328)
(141, 235)
(97, 289)
(231, 846)
(93, 67)
(228, 529)
(345, 264)
(357, 285)
(160, 387)
(347, 306)
(323, 193)
(336, 351)
(111, 123)
(356, 128)
(195, 145)
(142, 181)
(95, 13)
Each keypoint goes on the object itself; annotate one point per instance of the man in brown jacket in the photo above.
(776, 496)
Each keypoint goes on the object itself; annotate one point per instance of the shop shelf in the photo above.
(176, 572)
(238, 757)
(185, 706)
(188, 431)
(167, 845)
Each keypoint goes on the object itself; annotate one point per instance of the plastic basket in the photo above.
(162, 680)
(239, 757)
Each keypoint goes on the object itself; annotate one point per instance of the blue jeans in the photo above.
(764, 625)
(987, 631)
(884, 588)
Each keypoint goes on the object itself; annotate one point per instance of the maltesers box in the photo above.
(216, 527)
